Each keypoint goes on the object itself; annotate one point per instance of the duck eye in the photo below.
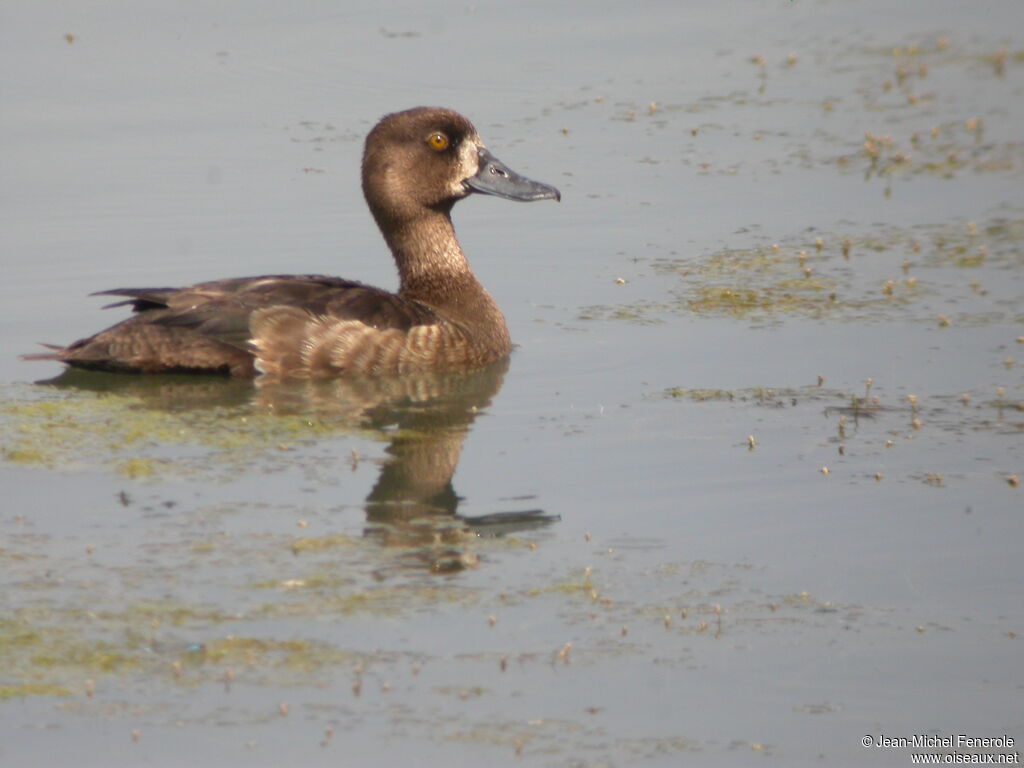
(438, 141)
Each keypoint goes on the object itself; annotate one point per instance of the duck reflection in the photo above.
(425, 417)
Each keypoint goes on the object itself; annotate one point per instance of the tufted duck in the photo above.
(416, 165)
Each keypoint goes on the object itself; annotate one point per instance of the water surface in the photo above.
(796, 222)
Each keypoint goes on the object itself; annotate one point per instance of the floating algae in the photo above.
(889, 274)
(122, 433)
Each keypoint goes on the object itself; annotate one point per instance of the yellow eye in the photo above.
(438, 141)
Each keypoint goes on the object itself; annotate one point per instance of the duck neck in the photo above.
(429, 259)
(434, 271)
(432, 267)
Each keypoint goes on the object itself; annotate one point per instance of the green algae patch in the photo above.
(136, 468)
(515, 734)
(153, 613)
(570, 586)
(639, 313)
(45, 650)
(785, 296)
(950, 150)
(24, 690)
(771, 396)
(40, 660)
(294, 656)
(70, 429)
(86, 657)
(16, 634)
(947, 274)
(378, 601)
(29, 456)
(41, 657)
(765, 282)
(318, 543)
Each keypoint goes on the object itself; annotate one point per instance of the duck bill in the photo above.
(496, 178)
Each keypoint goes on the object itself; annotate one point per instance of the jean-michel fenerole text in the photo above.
(933, 741)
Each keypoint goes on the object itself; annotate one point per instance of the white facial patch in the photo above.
(469, 163)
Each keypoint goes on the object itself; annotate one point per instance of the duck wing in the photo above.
(223, 309)
(222, 326)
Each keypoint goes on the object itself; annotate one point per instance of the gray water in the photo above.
(580, 560)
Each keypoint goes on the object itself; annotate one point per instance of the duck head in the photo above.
(427, 158)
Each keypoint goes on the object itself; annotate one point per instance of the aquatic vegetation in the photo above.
(298, 656)
(321, 542)
(45, 656)
(154, 613)
(889, 274)
(757, 395)
(25, 690)
(76, 430)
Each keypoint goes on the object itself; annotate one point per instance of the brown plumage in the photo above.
(416, 165)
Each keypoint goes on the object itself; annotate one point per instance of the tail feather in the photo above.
(57, 353)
